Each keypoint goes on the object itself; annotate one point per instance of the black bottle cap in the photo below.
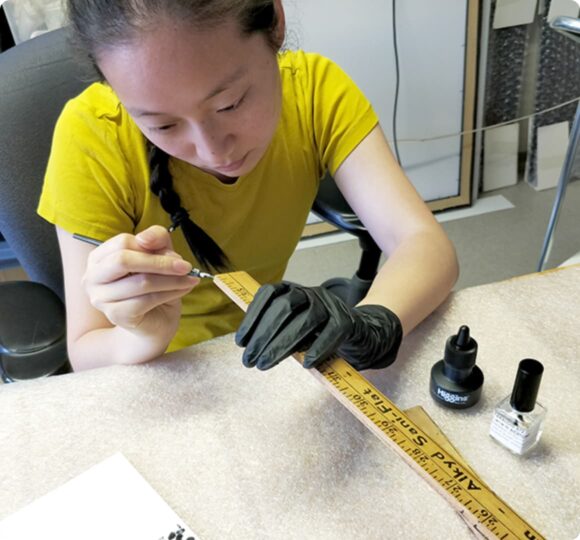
(526, 385)
(461, 350)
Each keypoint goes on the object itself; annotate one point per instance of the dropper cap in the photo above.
(461, 350)
(526, 385)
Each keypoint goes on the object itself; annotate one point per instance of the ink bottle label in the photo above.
(455, 400)
(452, 397)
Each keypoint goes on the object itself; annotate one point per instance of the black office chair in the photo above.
(331, 206)
(37, 77)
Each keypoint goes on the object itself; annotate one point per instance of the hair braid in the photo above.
(203, 247)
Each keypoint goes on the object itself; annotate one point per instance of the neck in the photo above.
(225, 179)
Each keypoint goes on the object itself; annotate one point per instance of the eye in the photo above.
(234, 106)
(162, 128)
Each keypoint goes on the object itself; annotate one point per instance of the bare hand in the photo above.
(138, 281)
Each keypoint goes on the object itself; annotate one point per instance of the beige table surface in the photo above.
(239, 453)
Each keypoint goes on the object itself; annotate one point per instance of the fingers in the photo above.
(142, 284)
(125, 262)
(261, 302)
(339, 326)
(295, 336)
(132, 312)
(149, 252)
(281, 320)
(155, 238)
(326, 343)
(129, 276)
(127, 301)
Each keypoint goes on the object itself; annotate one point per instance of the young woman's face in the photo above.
(210, 98)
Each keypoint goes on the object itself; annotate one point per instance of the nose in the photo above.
(212, 146)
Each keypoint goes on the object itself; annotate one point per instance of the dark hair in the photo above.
(99, 25)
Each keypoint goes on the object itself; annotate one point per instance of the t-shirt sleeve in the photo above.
(342, 115)
(88, 187)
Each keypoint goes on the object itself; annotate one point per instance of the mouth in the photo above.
(231, 167)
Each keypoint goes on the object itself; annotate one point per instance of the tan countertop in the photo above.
(239, 453)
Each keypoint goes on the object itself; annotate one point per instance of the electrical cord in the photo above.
(485, 128)
(397, 80)
(448, 135)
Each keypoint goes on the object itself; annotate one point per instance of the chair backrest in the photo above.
(37, 77)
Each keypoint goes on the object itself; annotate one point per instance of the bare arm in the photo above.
(421, 267)
(123, 299)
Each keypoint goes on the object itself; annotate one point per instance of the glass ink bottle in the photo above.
(456, 381)
(518, 419)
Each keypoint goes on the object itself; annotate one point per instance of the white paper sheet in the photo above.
(111, 500)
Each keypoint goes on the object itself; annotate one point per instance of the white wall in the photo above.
(357, 34)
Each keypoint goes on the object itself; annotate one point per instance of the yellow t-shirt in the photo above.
(97, 181)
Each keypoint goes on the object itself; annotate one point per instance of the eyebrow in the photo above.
(221, 87)
(226, 83)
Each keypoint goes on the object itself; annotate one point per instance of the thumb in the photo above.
(155, 238)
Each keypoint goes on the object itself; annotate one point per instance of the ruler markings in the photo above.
(475, 501)
(451, 485)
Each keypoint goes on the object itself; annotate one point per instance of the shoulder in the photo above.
(321, 98)
(95, 124)
(314, 78)
(97, 113)
(96, 137)
(97, 166)
(96, 102)
(308, 66)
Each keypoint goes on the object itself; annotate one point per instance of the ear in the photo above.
(280, 30)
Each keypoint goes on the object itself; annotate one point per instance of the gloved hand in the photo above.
(286, 318)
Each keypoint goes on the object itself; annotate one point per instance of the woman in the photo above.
(201, 126)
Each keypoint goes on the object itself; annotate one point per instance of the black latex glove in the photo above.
(286, 318)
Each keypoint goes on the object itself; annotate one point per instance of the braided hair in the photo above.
(203, 247)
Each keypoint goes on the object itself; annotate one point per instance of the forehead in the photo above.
(176, 62)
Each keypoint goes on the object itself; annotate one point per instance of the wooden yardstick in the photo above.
(478, 505)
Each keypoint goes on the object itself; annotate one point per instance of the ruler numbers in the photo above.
(446, 472)
(477, 504)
